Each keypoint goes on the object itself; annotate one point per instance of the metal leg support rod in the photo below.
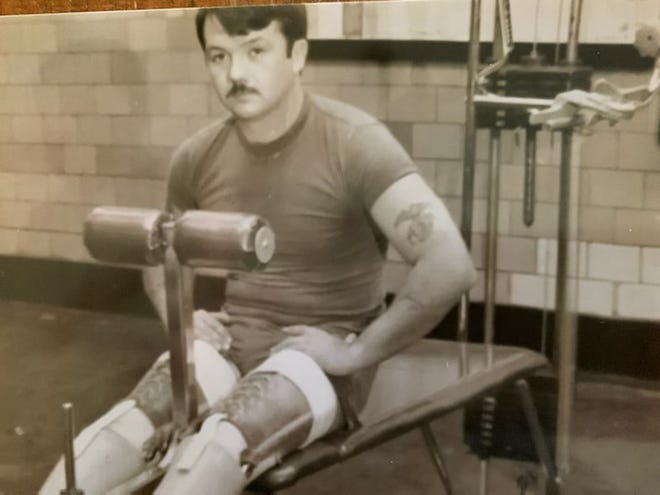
(436, 457)
(179, 282)
(540, 445)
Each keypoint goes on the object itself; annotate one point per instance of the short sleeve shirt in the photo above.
(315, 186)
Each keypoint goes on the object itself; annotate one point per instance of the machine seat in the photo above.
(410, 389)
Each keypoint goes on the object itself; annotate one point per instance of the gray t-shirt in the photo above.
(315, 186)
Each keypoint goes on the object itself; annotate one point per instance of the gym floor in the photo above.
(50, 355)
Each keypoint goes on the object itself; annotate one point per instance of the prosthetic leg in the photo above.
(285, 403)
(110, 450)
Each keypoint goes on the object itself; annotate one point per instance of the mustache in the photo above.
(238, 89)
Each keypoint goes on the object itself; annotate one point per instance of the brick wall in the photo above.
(92, 107)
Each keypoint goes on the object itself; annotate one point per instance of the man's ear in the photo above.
(299, 54)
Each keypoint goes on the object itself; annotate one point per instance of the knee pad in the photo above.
(214, 374)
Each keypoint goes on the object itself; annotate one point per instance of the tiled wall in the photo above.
(90, 112)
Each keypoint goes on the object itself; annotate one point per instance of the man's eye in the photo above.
(216, 57)
(256, 51)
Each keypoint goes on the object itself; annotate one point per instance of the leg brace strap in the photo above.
(282, 405)
(312, 382)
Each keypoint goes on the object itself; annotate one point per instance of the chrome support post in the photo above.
(69, 454)
(491, 243)
(529, 198)
(565, 346)
(469, 157)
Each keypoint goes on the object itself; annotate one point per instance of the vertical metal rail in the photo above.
(574, 31)
(529, 196)
(565, 295)
(469, 158)
(491, 242)
(565, 316)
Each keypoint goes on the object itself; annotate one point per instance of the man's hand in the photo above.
(157, 444)
(335, 356)
(210, 328)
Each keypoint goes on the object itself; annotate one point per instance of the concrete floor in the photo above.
(52, 355)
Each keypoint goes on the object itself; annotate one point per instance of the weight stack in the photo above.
(498, 428)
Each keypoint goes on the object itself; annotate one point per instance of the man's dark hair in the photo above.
(239, 21)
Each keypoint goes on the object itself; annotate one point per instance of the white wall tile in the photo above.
(502, 281)
(79, 159)
(612, 188)
(32, 187)
(65, 188)
(651, 265)
(596, 298)
(339, 73)
(7, 185)
(639, 151)
(371, 99)
(97, 190)
(28, 38)
(411, 104)
(34, 244)
(546, 260)
(68, 247)
(480, 220)
(189, 99)
(165, 131)
(67, 68)
(638, 301)
(635, 227)
(437, 141)
(147, 34)
(23, 69)
(15, 213)
(8, 241)
(534, 291)
(610, 262)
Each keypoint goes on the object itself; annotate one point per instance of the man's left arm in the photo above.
(419, 226)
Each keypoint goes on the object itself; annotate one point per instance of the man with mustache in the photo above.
(296, 346)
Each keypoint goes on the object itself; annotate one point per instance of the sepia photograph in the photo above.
(398, 247)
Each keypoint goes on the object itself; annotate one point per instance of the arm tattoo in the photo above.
(420, 222)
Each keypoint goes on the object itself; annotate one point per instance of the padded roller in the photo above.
(231, 241)
(130, 236)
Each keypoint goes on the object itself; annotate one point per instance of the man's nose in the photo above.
(237, 69)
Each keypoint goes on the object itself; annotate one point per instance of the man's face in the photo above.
(251, 73)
